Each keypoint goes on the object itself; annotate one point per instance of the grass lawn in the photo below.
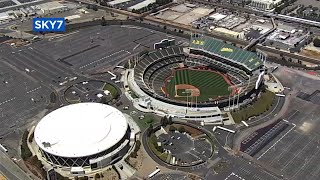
(210, 84)
(257, 108)
(151, 141)
(145, 123)
(111, 89)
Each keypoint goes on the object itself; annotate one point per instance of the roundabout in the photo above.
(178, 145)
(91, 91)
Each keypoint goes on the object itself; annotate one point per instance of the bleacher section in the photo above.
(241, 57)
(152, 70)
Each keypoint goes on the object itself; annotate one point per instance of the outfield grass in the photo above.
(111, 89)
(210, 84)
(258, 107)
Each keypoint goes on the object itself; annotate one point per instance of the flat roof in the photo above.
(141, 4)
(248, 59)
(217, 16)
(80, 130)
(226, 31)
(115, 2)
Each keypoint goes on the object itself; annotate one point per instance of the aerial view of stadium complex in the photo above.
(159, 89)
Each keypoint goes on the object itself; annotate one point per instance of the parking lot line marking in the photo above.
(292, 114)
(6, 101)
(297, 154)
(294, 125)
(33, 90)
(305, 163)
(103, 58)
(233, 174)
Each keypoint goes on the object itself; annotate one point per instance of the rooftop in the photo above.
(80, 130)
(248, 59)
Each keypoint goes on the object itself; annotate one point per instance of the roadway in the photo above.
(11, 171)
(261, 13)
(171, 26)
(255, 41)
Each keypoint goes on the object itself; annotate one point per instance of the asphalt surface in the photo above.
(185, 149)
(21, 97)
(29, 74)
(94, 47)
(10, 169)
(296, 151)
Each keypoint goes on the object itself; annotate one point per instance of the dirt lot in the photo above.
(110, 174)
(137, 162)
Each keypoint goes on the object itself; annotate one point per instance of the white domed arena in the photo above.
(87, 135)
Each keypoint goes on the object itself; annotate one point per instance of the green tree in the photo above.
(316, 42)
(164, 121)
(170, 120)
(181, 129)
(97, 176)
(172, 128)
(103, 21)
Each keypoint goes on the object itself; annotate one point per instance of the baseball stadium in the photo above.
(208, 73)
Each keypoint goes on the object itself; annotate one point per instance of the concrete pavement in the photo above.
(10, 169)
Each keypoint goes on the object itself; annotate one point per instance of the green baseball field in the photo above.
(201, 85)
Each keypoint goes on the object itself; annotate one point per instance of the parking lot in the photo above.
(38, 65)
(95, 47)
(87, 91)
(296, 151)
(186, 150)
(21, 97)
(27, 73)
(240, 169)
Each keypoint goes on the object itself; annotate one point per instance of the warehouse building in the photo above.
(52, 7)
(228, 32)
(265, 4)
(141, 5)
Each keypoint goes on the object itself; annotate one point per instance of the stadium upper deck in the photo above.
(234, 54)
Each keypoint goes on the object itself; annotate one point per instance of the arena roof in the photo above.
(80, 130)
(248, 59)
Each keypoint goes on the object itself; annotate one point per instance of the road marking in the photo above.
(297, 154)
(306, 161)
(292, 114)
(136, 46)
(294, 125)
(33, 90)
(103, 58)
(6, 101)
(61, 36)
(233, 174)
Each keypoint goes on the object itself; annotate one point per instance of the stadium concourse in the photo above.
(238, 75)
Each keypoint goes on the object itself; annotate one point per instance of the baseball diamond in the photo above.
(205, 84)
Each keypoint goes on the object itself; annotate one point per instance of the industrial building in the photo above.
(228, 32)
(141, 5)
(83, 137)
(287, 39)
(5, 17)
(116, 2)
(51, 7)
(265, 4)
